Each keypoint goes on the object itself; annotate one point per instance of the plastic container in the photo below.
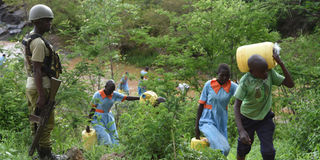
(148, 96)
(264, 49)
(121, 91)
(89, 139)
(198, 144)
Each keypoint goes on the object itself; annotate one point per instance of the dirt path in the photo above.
(119, 69)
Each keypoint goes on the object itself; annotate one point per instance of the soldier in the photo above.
(41, 63)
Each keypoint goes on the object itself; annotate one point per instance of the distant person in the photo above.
(2, 59)
(41, 63)
(183, 87)
(212, 114)
(143, 73)
(103, 119)
(123, 85)
(143, 77)
(252, 106)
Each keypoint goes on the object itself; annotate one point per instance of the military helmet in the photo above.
(40, 11)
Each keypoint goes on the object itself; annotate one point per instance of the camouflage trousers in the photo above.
(32, 96)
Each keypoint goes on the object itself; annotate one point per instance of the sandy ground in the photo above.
(119, 69)
(11, 49)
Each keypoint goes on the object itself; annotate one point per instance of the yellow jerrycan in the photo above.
(264, 49)
(198, 144)
(89, 138)
(148, 96)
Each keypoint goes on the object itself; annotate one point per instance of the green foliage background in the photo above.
(182, 41)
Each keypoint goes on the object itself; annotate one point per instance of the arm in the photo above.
(243, 135)
(288, 80)
(38, 80)
(199, 113)
(132, 98)
(91, 113)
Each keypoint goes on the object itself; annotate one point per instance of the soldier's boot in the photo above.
(46, 154)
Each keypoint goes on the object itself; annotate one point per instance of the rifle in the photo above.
(44, 115)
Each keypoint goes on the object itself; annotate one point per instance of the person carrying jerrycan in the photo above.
(103, 119)
(252, 106)
(212, 114)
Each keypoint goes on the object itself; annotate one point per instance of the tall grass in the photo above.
(140, 58)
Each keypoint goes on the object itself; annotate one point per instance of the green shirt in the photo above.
(255, 94)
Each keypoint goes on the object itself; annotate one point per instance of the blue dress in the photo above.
(103, 119)
(214, 118)
(142, 89)
(2, 60)
(124, 85)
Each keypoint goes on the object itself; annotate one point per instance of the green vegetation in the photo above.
(182, 41)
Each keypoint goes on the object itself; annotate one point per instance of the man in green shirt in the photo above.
(253, 104)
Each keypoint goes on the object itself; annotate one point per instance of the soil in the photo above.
(119, 69)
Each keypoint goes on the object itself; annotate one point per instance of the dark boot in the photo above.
(45, 153)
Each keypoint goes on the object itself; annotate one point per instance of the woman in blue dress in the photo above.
(212, 114)
(103, 119)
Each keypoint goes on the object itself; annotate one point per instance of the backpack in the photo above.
(51, 64)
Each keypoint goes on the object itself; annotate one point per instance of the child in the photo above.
(103, 119)
(2, 59)
(143, 73)
(212, 114)
(123, 85)
(253, 103)
(143, 76)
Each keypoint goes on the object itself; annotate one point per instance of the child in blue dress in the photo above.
(123, 85)
(212, 114)
(143, 76)
(103, 119)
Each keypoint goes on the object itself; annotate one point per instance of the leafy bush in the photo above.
(165, 131)
(145, 131)
(14, 110)
(304, 129)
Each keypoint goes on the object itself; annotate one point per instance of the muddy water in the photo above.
(11, 49)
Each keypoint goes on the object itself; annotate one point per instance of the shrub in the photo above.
(14, 110)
